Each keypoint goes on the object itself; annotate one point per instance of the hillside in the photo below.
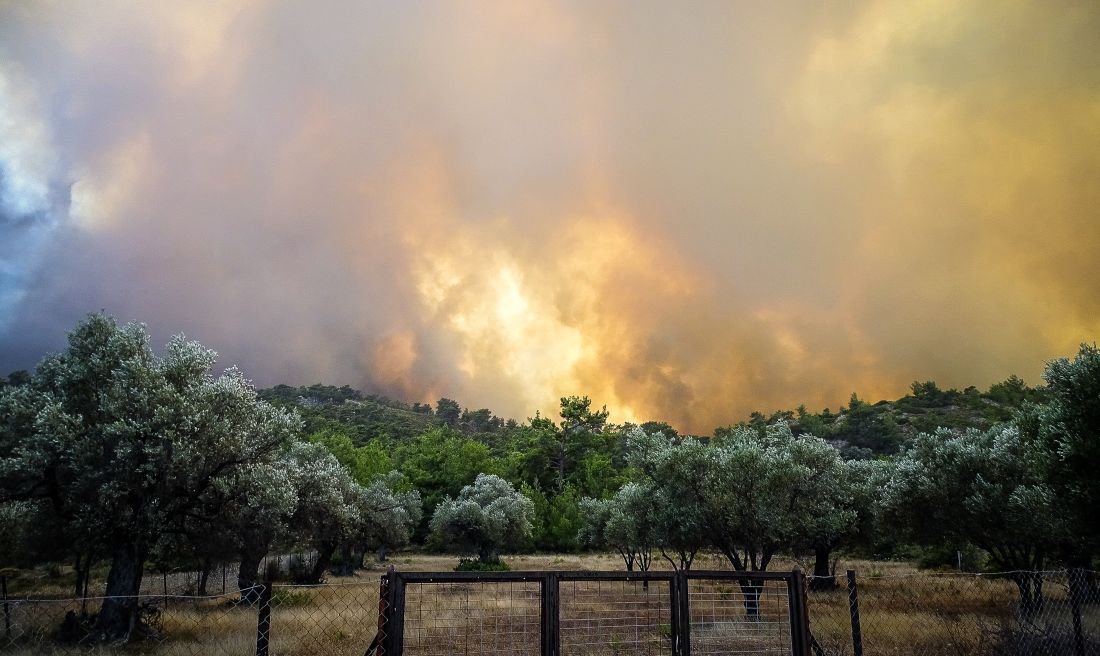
(859, 430)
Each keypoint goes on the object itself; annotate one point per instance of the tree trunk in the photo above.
(80, 568)
(382, 554)
(1030, 585)
(324, 558)
(751, 590)
(204, 576)
(118, 616)
(347, 565)
(248, 575)
(823, 578)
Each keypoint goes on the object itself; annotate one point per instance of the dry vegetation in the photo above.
(903, 612)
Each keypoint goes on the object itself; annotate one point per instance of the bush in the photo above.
(475, 565)
(281, 597)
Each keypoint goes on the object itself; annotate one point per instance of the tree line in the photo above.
(112, 453)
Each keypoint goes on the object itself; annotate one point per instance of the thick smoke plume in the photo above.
(686, 212)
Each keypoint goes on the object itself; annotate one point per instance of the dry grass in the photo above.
(902, 611)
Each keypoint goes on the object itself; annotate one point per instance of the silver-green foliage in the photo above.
(486, 517)
(748, 495)
(983, 487)
(627, 523)
(127, 444)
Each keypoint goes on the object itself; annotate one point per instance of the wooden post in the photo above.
(263, 621)
(164, 587)
(7, 609)
(853, 609)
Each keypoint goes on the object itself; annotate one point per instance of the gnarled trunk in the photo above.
(248, 575)
(118, 616)
(325, 550)
(1030, 585)
(823, 577)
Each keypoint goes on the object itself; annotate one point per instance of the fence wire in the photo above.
(1053, 613)
(730, 617)
(609, 618)
(300, 621)
(443, 619)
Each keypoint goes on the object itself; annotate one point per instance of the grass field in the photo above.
(903, 611)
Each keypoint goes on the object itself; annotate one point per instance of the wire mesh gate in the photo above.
(591, 613)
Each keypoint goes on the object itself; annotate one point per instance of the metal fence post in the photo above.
(551, 627)
(684, 593)
(674, 609)
(797, 602)
(263, 621)
(1076, 582)
(853, 610)
(395, 637)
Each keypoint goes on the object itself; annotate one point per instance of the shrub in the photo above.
(475, 565)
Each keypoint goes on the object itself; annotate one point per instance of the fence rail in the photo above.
(593, 613)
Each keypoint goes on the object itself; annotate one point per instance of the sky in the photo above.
(686, 211)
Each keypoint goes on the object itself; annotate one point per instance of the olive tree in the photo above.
(833, 503)
(487, 516)
(126, 445)
(987, 488)
(751, 491)
(383, 516)
(626, 523)
(1070, 429)
(389, 515)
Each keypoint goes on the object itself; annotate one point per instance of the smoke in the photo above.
(686, 215)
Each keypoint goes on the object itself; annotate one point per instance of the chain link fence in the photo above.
(1052, 613)
(288, 620)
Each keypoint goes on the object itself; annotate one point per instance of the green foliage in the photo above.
(1070, 428)
(282, 597)
(562, 521)
(979, 487)
(449, 411)
(626, 523)
(365, 463)
(752, 495)
(441, 462)
(129, 446)
(487, 516)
